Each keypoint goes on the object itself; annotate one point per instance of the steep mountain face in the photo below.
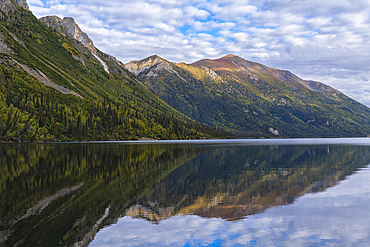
(252, 99)
(70, 27)
(55, 85)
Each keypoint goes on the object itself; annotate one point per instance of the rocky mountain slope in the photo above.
(55, 85)
(69, 26)
(252, 99)
(8, 5)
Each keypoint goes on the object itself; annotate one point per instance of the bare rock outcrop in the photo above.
(273, 131)
(53, 22)
(7, 5)
(74, 30)
(3, 47)
(136, 67)
(23, 4)
(42, 78)
(154, 64)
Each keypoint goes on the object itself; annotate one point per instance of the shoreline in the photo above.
(241, 141)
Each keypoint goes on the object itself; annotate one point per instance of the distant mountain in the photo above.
(55, 85)
(251, 99)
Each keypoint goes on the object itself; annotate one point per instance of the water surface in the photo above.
(301, 192)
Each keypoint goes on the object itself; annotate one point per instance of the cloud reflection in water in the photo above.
(338, 216)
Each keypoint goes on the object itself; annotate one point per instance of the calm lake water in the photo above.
(297, 192)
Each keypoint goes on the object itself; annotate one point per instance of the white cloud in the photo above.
(323, 40)
(35, 2)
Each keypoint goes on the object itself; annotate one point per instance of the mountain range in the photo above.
(57, 86)
(251, 99)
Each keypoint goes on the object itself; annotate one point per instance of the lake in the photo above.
(284, 192)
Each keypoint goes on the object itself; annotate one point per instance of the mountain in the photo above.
(68, 26)
(251, 99)
(55, 85)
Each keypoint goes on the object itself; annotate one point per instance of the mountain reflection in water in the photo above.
(234, 182)
(63, 194)
(337, 217)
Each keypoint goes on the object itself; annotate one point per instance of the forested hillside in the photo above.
(253, 100)
(55, 85)
(54, 88)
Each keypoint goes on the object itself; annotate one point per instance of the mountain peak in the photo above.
(69, 25)
(136, 67)
(155, 56)
(229, 56)
(235, 64)
(224, 63)
(154, 59)
(53, 22)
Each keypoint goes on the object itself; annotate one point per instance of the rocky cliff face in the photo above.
(22, 3)
(69, 26)
(151, 66)
(53, 22)
(7, 5)
(74, 30)
(136, 67)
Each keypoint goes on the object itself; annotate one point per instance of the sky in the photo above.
(322, 40)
